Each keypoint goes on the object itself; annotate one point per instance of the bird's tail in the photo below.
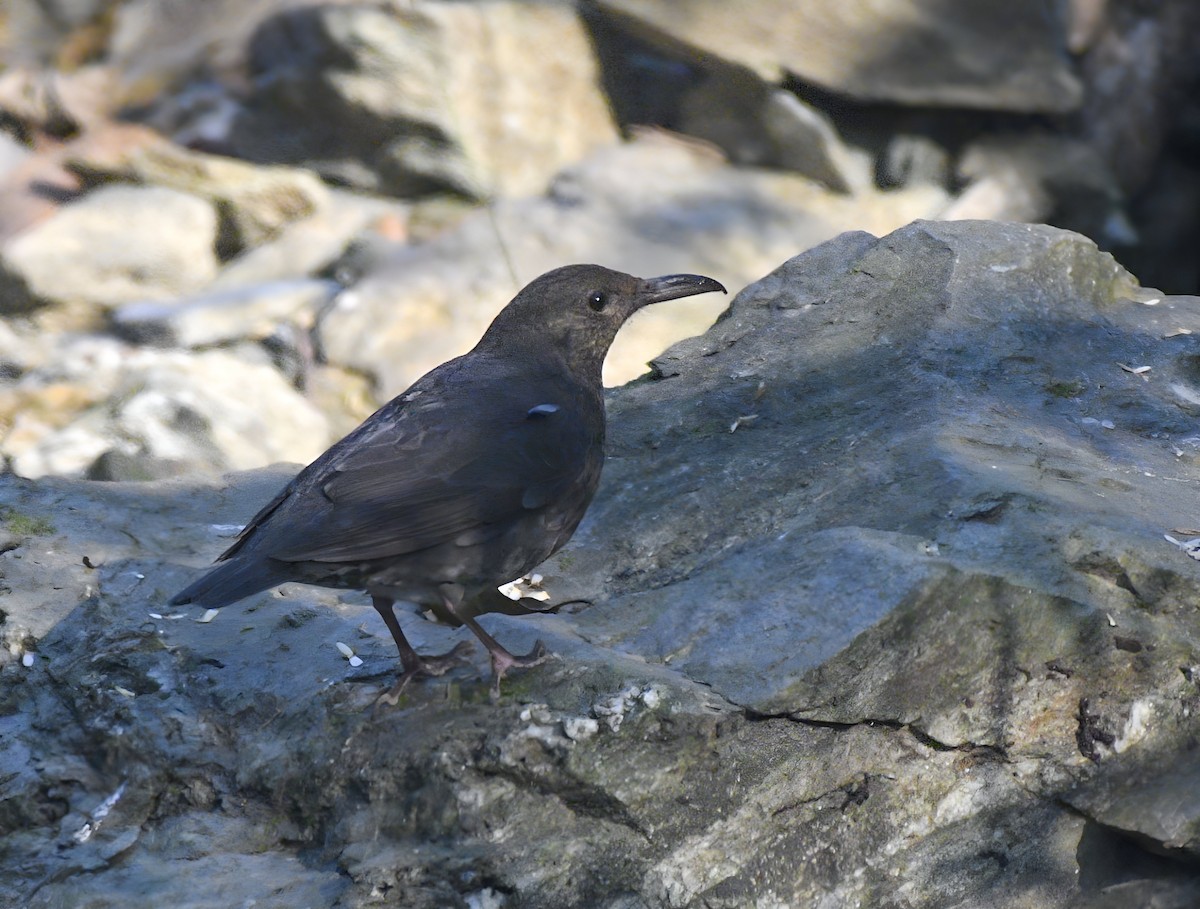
(230, 581)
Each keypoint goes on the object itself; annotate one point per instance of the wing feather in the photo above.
(413, 477)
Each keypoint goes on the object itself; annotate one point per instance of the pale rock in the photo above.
(116, 244)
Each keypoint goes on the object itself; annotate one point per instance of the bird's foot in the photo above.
(502, 661)
(427, 667)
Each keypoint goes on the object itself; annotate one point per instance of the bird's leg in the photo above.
(502, 659)
(414, 665)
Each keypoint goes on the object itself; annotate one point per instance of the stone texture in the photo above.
(995, 55)
(480, 99)
(253, 203)
(313, 245)
(1139, 68)
(250, 312)
(755, 123)
(116, 244)
(874, 608)
(1041, 178)
(208, 412)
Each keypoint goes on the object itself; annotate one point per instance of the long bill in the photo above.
(672, 287)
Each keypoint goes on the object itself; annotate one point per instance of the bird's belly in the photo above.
(487, 557)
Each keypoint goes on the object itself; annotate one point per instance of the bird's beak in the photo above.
(672, 287)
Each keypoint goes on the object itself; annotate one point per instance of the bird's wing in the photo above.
(430, 470)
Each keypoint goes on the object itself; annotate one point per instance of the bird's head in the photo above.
(578, 310)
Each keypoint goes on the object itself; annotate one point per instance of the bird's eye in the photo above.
(597, 301)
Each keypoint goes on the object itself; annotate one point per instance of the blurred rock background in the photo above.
(228, 230)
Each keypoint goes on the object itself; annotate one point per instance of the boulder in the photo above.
(117, 244)
(480, 99)
(994, 55)
(254, 203)
(886, 599)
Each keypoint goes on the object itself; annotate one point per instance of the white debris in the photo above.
(209, 615)
(156, 615)
(614, 708)
(578, 728)
(345, 650)
(528, 587)
(487, 898)
(124, 692)
(84, 833)
(356, 661)
(27, 659)
(1141, 718)
(537, 713)
(1190, 547)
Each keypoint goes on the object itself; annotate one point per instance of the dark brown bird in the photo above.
(469, 479)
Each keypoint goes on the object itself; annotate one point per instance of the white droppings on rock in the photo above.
(578, 728)
(487, 898)
(1141, 716)
(209, 615)
(615, 708)
(536, 713)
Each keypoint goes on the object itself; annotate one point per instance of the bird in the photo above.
(469, 479)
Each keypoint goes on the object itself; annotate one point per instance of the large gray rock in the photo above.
(116, 244)
(477, 98)
(995, 55)
(874, 608)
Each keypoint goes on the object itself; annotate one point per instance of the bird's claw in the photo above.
(502, 661)
(427, 667)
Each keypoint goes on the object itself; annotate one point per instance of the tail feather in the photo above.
(229, 582)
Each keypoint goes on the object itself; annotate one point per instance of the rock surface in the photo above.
(118, 244)
(209, 411)
(477, 98)
(997, 54)
(253, 203)
(874, 608)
